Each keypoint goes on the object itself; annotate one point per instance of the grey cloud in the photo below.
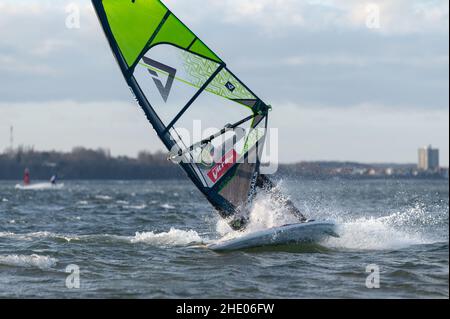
(43, 60)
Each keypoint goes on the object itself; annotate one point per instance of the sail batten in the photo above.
(179, 81)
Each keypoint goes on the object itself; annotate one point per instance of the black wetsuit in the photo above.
(264, 183)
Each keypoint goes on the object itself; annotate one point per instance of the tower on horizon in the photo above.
(428, 159)
(11, 138)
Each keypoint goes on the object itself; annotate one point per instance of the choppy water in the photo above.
(141, 240)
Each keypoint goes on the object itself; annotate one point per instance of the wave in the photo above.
(174, 237)
(37, 235)
(375, 234)
(103, 197)
(28, 261)
(410, 227)
(137, 207)
(392, 232)
(167, 206)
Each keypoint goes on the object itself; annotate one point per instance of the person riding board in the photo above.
(53, 180)
(263, 183)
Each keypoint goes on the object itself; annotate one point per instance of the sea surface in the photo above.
(131, 239)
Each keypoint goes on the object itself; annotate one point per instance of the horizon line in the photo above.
(299, 161)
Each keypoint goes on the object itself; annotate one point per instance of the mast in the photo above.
(11, 138)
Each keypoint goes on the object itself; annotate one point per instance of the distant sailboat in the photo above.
(38, 186)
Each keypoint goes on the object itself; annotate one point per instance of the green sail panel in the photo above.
(174, 32)
(140, 25)
(200, 48)
(133, 24)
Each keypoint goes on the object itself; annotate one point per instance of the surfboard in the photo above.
(40, 186)
(309, 232)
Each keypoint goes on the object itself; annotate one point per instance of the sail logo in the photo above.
(230, 86)
(223, 166)
(164, 90)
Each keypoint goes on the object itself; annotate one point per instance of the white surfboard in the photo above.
(40, 186)
(310, 232)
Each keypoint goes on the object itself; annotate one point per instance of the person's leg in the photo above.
(265, 183)
(239, 223)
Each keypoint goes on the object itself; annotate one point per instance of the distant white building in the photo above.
(428, 159)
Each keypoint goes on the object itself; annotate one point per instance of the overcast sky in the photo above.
(342, 87)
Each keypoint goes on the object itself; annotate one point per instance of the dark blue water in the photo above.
(144, 240)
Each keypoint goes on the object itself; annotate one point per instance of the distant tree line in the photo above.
(84, 163)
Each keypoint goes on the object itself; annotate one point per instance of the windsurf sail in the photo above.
(26, 177)
(181, 84)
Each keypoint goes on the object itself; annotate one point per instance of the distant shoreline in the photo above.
(85, 164)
